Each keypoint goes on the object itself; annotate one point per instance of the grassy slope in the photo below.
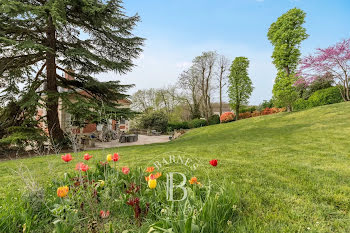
(291, 170)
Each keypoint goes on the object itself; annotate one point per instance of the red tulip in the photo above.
(125, 170)
(115, 157)
(66, 158)
(214, 162)
(87, 157)
(104, 214)
(81, 167)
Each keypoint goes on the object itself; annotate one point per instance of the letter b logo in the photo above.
(170, 186)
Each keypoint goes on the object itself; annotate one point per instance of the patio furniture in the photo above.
(156, 133)
(128, 138)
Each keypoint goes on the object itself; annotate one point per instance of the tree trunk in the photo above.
(237, 112)
(347, 88)
(220, 94)
(210, 107)
(287, 70)
(51, 86)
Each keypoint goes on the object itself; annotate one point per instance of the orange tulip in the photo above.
(150, 169)
(157, 175)
(193, 180)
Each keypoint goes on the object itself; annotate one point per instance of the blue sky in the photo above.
(177, 31)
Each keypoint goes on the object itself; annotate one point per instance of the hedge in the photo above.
(326, 96)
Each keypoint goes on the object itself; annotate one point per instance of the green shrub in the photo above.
(214, 119)
(177, 125)
(196, 123)
(247, 109)
(20, 137)
(301, 104)
(265, 104)
(155, 120)
(320, 83)
(321, 97)
(326, 96)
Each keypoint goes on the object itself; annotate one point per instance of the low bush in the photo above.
(155, 120)
(227, 117)
(265, 104)
(255, 114)
(196, 123)
(214, 119)
(300, 104)
(177, 125)
(245, 115)
(268, 111)
(247, 109)
(20, 137)
(321, 97)
(326, 96)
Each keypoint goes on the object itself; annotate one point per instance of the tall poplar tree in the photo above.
(240, 86)
(38, 38)
(286, 35)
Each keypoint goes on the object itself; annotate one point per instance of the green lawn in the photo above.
(291, 170)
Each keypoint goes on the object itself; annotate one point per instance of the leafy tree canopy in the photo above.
(285, 35)
(38, 38)
(240, 85)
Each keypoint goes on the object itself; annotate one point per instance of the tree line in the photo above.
(40, 40)
(208, 74)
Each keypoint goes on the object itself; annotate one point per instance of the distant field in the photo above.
(291, 170)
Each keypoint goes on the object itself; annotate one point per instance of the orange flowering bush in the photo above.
(227, 117)
(255, 113)
(245, 115)
(268, 111)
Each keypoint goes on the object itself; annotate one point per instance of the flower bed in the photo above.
(106, 197)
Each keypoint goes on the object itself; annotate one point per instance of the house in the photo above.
(225, 108)
(65, 118)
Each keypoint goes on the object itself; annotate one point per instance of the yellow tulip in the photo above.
(62, 191)
(152, 183)
(109, 158)
(102, 183)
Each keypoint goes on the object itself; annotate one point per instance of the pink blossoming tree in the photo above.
(334, 60)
